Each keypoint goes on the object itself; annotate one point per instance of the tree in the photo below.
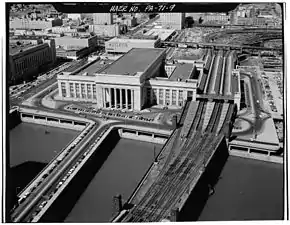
(189, 21)
(200, 20)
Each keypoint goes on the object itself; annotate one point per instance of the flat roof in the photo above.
(163, 34)
(16, 48)
(92, 68)
(136, 60)
(134, 39)
(181, 71)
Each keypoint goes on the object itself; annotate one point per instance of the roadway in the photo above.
(256, 100)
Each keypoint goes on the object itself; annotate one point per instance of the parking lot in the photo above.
(273, 91)
(109, 114)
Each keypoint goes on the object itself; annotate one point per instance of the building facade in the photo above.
(105, 30)
(123, 45)
(29, 59)
(133, 87)
(103, 18)
(172, 20)
(68, 43)
(33, 24)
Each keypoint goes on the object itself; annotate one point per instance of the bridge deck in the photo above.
(189, 118)
(223, 116)
(209, 108)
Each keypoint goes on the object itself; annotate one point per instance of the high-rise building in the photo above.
(173, 20)
(103, 18)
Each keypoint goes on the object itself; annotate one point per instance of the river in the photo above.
(32, 146)
(120, 174)
(248, 190)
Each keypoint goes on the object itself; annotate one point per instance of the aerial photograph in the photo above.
(144, 112)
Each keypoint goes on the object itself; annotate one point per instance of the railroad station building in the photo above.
(136, 80)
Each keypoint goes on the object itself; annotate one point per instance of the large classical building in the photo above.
(136, 80)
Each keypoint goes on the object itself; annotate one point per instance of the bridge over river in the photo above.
(191, 146)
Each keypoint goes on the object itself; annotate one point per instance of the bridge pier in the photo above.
(174, 215)
(117, 205)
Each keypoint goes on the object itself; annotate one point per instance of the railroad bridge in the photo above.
(192, 146)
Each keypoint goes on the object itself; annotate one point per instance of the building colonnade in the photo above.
(105, 96)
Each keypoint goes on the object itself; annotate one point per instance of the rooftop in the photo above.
(163, 34)
(14, 49)
(93, 67)
(182, 71)
(136, 60)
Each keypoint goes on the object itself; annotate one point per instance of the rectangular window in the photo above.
(154, 93)
(180, 94)
(83, 91)
(89, 91)
(167, 94)
(71, 90)
(173, 97)
(63, 89)
(77, 90)
(94, 91)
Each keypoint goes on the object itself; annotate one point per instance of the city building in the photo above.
(70, 43)
(61, 29)
(163, 34)
(72, 54)
(123, 45)
(34, 24)
(29, 58)
(128, 21)
(103, 18)
(112, 30)
(74, 16)
(132, 82)
(220, 18)
(172, 20)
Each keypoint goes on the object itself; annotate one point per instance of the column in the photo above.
(110, 97)
(164, 96)
(67, 89)
(132, 99)
(151, 96)
(170, 94)
(115, 97)
(92, 93)
(121, 100)
(177, 97)
(59, 89)
(86, 91)
(126, 96)
(157, 97)
(104, 97)
(75, 87)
